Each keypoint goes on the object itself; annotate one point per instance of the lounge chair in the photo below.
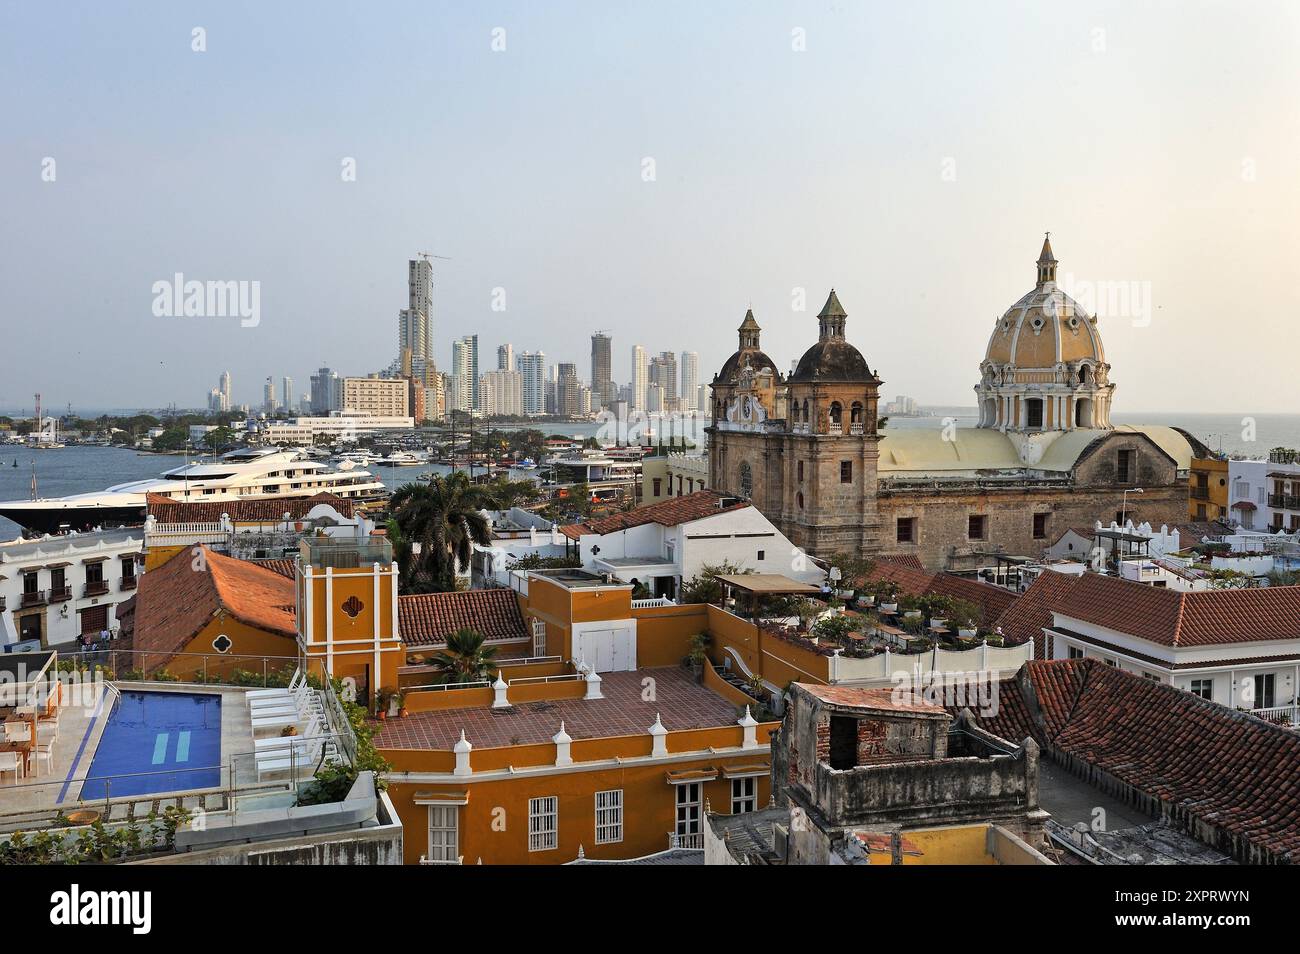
(278, 692)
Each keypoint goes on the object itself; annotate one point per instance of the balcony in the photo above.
(834, 430)
(1288, 716)
(34, 598)
(96, 587)
(129, 583)
(1284, 501)
(857, 429)
(1200, 493)
(60, 594)
(693, 842)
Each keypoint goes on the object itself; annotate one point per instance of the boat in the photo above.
(245, 474)
(402, 459)
(526, 464)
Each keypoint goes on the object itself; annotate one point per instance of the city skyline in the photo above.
(921, 212)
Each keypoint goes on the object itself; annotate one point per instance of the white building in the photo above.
(502, 393)
(414, 322)
(1248, 493)
(303, 430)
(532, 365)
(640, 377)
(1239, 648)
(55, 588)
(376, 396)
(690, 388)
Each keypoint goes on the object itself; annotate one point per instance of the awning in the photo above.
(688, 776)
(55, 566)
(766, 584)
(1243, 505)
(441, 798)
(94, 559)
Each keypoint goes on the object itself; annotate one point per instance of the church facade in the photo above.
(809, 451)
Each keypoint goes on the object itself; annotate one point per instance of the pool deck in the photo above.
(80, 727)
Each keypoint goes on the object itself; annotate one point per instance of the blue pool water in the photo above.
(164, 742)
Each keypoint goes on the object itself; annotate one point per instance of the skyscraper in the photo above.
(601, 385)
(268, 395)
(690, 381)
(567, 391)
(532, 365)
(464, 368)
(502, 393)
(326, 392)
(663, 372)
(286, 393)
(414, 322)
(505, 357)
(640, 377)
(224, 388)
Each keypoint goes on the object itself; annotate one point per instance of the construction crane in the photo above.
(428, 255)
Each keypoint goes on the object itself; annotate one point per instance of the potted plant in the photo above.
(886, 593)
(399, 703)
(698, 655)
(911, 607)
(288, 730)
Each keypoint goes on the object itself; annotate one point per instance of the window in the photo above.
(1076, 652)
(762, 555)
(799, 499)
(843, 742)
(744, 795)
(539, 637)
(543, 823)
(1111, 662)
(94, 573)
(688, 812)
(1124, 467)
(1040, 526)
(746, 480)
(1203, 688)
(609, 817)
(1152, 677)
(1034, 412)
(1200, 511)
(799, 469)
(906, 530)
(128, 568)
(1263, 697)
(444, 833)
(31, 582)
(846, 471)
(836, 414)
(975, 527)
(658, 486)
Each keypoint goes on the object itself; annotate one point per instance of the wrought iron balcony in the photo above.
(34, 598)
(129, 582)
(60, 593)
(96, 587)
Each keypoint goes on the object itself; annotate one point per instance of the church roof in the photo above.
(1046, 255)
(749, 324)
(832, 359)
(749, 358)
(832, 308)
(976, 451)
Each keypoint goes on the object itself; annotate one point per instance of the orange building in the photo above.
(607, 748)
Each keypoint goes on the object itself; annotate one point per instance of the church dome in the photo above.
(749, 357)
(1045, 328)
(832, 358)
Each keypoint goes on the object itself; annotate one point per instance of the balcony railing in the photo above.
(1279, 715)
(693, 842)
(857, 429)
(129, 582)
(426, 860)
(4, 605)
(34, 598)
(60, 593)
(1200, 493)
(835, 430)
(96, 587)
(1284, 501)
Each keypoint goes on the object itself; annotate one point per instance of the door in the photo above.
(607, 650)
(94, 620)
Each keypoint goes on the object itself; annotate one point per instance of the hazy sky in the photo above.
(911, 156)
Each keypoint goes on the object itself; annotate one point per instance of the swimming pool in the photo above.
(162, 742)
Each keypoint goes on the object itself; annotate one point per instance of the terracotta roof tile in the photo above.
(426, 619)
(285, 567)
(175, 601)
(668, 513)
(1174, 618)
(264, 509)
(1025, 618)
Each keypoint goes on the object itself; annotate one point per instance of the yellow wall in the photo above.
(251, 646)
(1216, 500)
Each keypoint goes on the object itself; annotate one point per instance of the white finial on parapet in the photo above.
(593, 686)
(500, 700)
(462, 750)
(659, 736)
(750, 725)
(563, 746)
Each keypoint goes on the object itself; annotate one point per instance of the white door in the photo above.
(608, 650)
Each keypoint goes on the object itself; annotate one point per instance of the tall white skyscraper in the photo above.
(415, 321)
(286, 393)
(532, 366)
(268, 396)
(464, 368)
(690, 389)
(224, 388)
(640, 377)
(505, 357)
(502, 393)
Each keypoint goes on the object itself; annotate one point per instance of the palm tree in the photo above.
(465, 659)
(444, 518)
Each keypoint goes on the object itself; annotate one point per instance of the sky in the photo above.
(649, 169)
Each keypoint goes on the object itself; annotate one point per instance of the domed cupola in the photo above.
(833, 390)
(746, 390)
(1045, 368)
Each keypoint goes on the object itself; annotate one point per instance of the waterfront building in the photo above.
(55, 589)
(414, 322)
(505, 357)
(602, 385)
(640, 377)
(532, 365)
(663, 372)
(502, 393)
(375, 396)
(464, 371)
(690, 380)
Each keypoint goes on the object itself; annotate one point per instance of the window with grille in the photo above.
(444, 833)
(543, 823)
(609, 816)
(744, 795)
(688, 809)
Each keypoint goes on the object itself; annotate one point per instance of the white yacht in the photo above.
(403, 459)
(240, 475)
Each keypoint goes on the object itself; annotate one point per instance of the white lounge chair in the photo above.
(279, 692)
(281, 741)
(282, 718)
(279, 702)
(304, 757)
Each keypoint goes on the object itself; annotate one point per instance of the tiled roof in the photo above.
(265, 509)
(903, 559)
(1190, 533)
(679, 701)
(1024, 619)
(1174, 618)
(668, 513)
(286, 567)
(176, 600)
(1225, 775)
(426, 619)
(991, 600)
